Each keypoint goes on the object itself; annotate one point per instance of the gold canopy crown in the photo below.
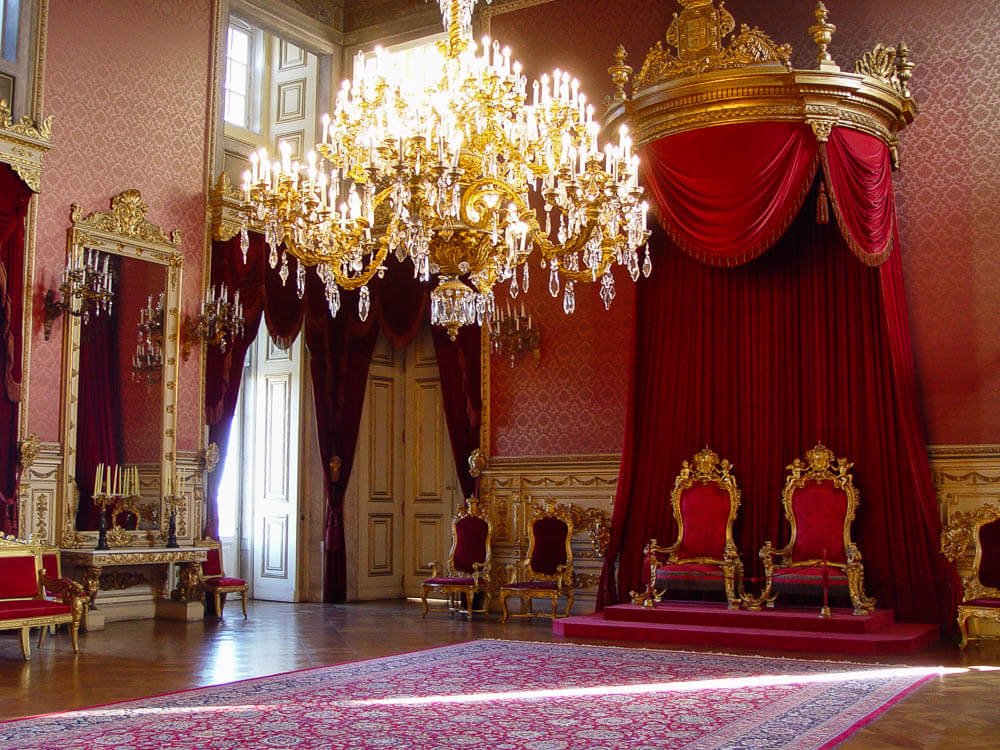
(711, 81)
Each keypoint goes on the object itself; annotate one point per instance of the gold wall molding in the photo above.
(23, 144)
(585, 484)
(224, 202)
(38, 490)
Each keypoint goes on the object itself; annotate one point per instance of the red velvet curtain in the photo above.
(99, 408)
(762, 361)
(727, 193)
(14, 198)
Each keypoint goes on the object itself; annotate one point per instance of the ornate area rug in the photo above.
(502, 695)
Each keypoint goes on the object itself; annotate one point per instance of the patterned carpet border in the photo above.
(505, 695)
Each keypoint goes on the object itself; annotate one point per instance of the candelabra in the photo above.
(86, 286)
(148, 359)
(114, 487)
(220, 320)
(174, 498)
(512, 333)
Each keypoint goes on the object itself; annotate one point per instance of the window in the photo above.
(239, 75)
(10, 12)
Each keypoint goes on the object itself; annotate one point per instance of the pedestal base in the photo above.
(93, 620)
(182, 611)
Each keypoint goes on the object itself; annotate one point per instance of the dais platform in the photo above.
(780, 629)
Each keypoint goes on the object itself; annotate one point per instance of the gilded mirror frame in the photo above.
(126, 232)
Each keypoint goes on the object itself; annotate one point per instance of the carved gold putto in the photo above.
(706, 75)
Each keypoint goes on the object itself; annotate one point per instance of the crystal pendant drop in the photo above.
(569, 299)
(332, 297)
(364, 303)
(272, 257)
(283, 272)
(632, 263)
(514, 290)
(525, 278)
(244, 240)
(300, 280)
(554, 281)
(607, 289)
(647, 264)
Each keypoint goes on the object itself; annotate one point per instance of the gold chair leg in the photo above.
(43, 634)
(74, 635)
(423, 599)
(244, 593)
(26, 643)
(504, 613)
(963, 628)
(218, 605)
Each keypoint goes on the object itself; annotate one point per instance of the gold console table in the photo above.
(92, 563)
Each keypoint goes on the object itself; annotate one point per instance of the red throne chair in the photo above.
(705, 501)
(468, 572)
(218, 584)
(548, 571)
(819, 501)
(981, 596)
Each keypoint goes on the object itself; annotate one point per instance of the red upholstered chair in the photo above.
(820, 502)
(468, 571)
(548, 571)
(217, 583)
(55, 586)
(705, 502)
(981, 598)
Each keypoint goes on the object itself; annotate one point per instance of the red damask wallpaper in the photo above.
(127, 82)
(947, 191)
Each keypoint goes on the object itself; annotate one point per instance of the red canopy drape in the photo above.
(763, 360)
(726, 194)
(340, 349)
(14, 198)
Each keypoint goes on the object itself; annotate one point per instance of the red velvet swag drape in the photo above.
(340, 353)
(763, 360)
(14, 198)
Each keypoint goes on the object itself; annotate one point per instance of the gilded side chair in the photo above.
(468, 571)
(217, 583)
(547, 573)
(705, 502)
(819, 501)
(981, 595)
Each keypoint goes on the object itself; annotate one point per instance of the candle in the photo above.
(97, 481)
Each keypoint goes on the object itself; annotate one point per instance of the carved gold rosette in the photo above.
(23, 143)
(708, 82)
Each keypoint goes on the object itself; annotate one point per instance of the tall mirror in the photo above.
(121, 334)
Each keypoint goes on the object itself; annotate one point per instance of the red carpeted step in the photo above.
(895, 639)
(781, 618)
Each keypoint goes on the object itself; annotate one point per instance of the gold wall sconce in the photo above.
(86, 287)
(218, 324)
(513, 333)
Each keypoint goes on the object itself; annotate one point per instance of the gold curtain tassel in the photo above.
(822, 205)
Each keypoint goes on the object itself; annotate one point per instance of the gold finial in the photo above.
(620, 73)
(822, 35)
(904, 68)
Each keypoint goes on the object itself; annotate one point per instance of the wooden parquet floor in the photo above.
(135, 659)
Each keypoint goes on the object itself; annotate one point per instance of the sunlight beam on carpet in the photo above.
(727, 683)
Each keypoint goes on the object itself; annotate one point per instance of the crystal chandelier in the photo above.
(147, 362)
(451, 163)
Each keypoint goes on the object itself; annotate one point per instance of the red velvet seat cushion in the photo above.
(542, 585)
(18, 577)
(443, 581)
(819, 509)
(705, 513)
(225, 581)
(982, 603)
(549, 551)
(989, 563)
(688, 572)
(32, 608)
(810, 574)
(470, 543)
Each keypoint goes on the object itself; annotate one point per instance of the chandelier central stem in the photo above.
(455, 42)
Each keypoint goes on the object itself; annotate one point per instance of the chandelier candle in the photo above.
(443, 163)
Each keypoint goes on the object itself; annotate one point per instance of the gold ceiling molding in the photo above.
(705, 79)
(23, 143)
(224, 203)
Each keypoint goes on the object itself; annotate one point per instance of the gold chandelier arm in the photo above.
(554, 252)
(349, 283)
